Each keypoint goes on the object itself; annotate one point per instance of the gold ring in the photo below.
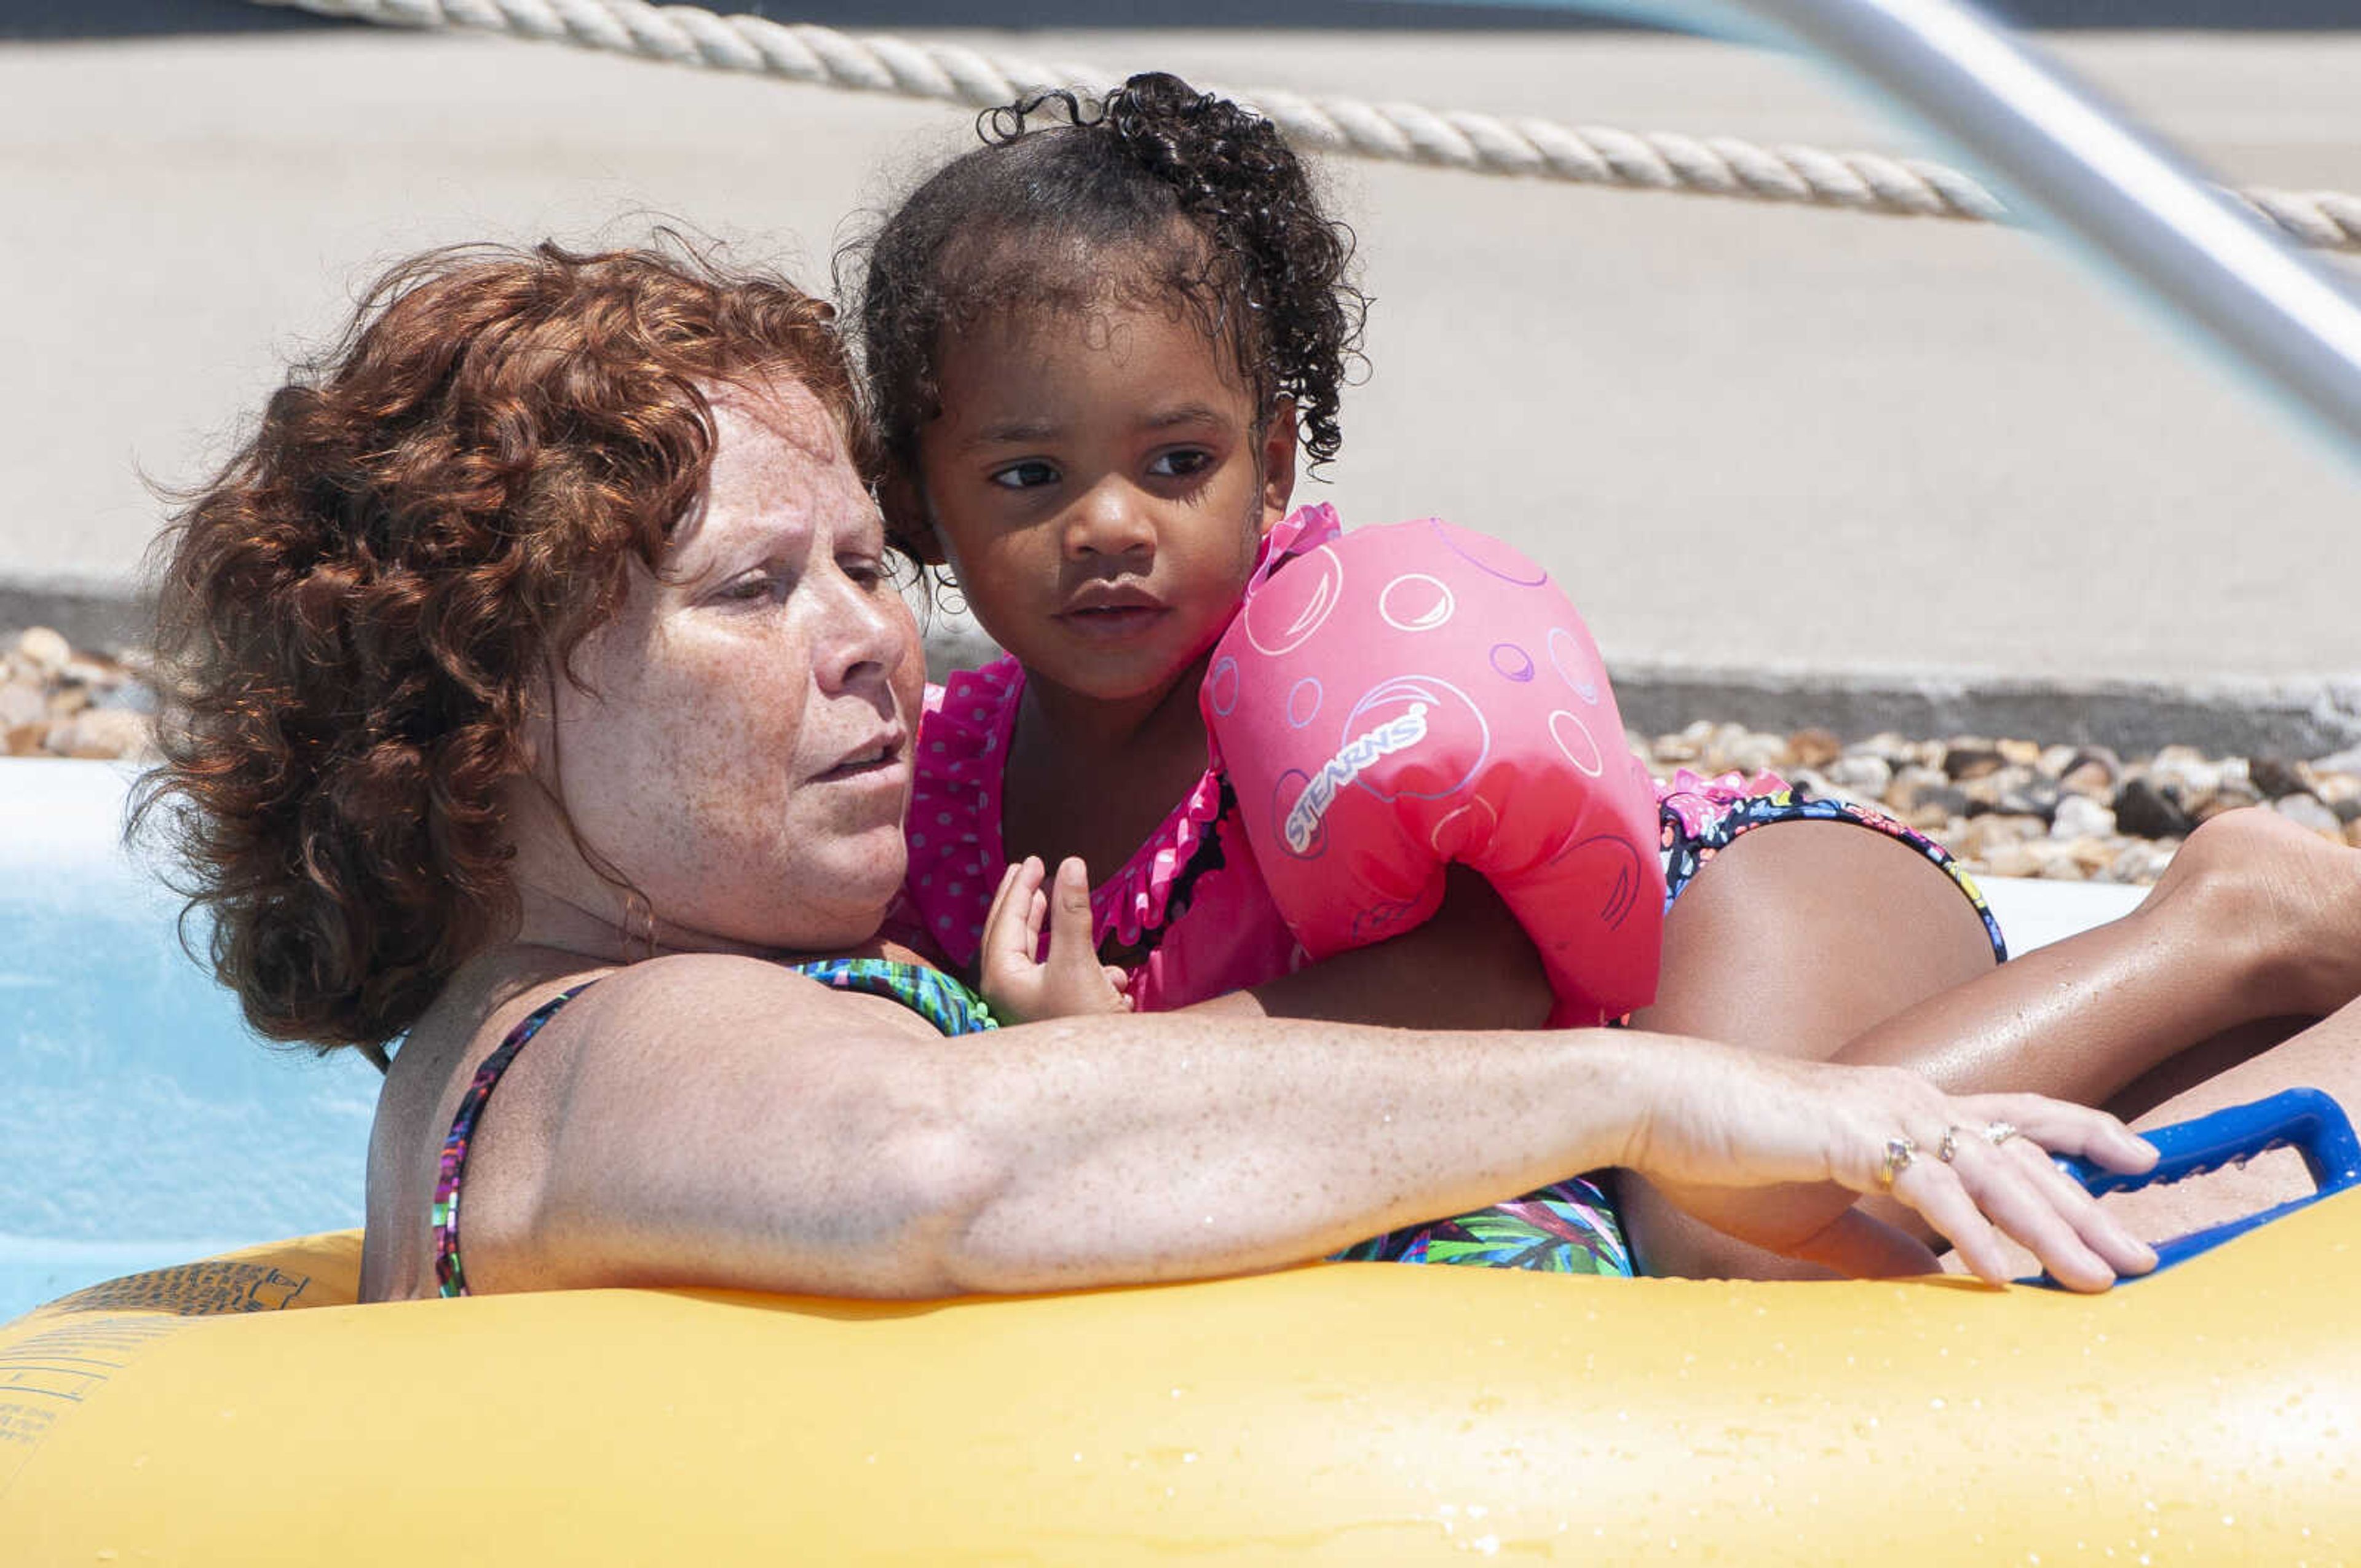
(1950, 1143)
(1999, 1132)
(1899, 1152)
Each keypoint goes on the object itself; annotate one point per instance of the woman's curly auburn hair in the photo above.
(356, 615)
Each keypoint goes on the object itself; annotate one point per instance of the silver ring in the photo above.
(1899, 1152)
(1999, 1132)
(1950, 1143)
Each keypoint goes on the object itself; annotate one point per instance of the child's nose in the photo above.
(1111, 519)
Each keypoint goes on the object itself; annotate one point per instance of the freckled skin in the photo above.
(695, 754)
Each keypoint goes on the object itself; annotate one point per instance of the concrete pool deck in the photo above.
(1841, 469)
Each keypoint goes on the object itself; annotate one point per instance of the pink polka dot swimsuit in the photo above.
(1189, 865)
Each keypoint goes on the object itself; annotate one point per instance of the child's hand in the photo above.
(1017, 989)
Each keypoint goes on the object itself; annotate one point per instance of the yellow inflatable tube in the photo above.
(244, 1411)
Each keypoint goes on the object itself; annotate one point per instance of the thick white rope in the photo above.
(1406, 133)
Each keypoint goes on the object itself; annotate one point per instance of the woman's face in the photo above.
(741, 754)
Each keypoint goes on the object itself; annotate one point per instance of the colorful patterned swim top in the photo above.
(941, 1001)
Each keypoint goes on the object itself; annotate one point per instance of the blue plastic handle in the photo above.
(2302, 1119)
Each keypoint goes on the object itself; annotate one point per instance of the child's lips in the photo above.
(1115, 619)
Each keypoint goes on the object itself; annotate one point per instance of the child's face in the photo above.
(1101, 485)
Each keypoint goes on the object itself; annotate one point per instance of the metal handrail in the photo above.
(2084, 168)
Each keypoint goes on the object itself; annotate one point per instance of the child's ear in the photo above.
(1278, 461)
(906, 523)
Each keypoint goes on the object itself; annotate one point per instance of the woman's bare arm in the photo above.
(718, 1121)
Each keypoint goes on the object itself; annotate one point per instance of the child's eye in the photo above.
(1025, 476)
(1181, 463)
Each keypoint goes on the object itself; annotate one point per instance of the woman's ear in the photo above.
(903, 506)
(1278, 461)
(536, 729)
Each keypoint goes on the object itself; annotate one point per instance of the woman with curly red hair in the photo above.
(363, 609)
(540, 696)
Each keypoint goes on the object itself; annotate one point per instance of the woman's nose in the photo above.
(866, 633)
(1111, 519)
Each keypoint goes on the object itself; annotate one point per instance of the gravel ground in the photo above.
(2005, 806)
(59, 701)
(2015, 807)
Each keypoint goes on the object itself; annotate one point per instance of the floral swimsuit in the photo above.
(1703, 816)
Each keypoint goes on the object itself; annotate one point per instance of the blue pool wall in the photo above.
(140, 1121)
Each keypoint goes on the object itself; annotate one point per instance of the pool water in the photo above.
(140, 1123)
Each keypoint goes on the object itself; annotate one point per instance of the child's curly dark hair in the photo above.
(1029, 219)
(358, 614)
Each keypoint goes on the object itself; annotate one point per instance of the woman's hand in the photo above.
(1073, 982)
(1834, 1132)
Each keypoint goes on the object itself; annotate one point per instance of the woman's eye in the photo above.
(1180, 464)
(1025, 476)
(755, 585)
(868, 571)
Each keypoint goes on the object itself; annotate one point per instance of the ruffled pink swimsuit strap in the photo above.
(956, 853)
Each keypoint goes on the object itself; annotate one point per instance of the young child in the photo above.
(1094, 344)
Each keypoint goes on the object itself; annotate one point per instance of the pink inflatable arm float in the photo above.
(1406, 697)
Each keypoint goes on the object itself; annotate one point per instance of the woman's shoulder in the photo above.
(597, 1044)
(704, 999)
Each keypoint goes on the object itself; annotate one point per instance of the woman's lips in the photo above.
(885, 759)
(883, 787)
(863, 770)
